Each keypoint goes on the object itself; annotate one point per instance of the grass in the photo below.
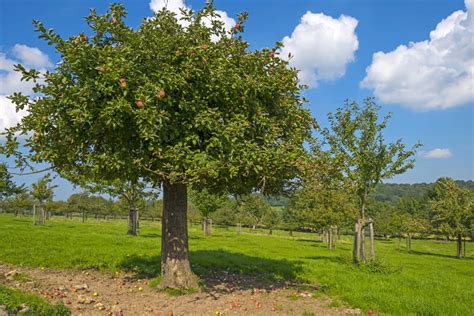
(12, 299)
(427, 281)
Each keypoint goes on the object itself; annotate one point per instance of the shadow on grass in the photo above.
(225, 271)
(335, 259)
(423, 253)
(150, 235)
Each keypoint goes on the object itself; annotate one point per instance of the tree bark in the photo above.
(175, 267)
(409, 242)
(372, 240)
(356, 245)
(329, 239)
(133, 222)
(205, 224)
(270, 232)
(362, 242)
(334, 237)
(238, 228)
(291, 233)
(459, 246)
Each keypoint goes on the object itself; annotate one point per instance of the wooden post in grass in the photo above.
(372, 239)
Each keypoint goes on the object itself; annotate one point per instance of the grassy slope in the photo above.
(427, 281)
(12, 299)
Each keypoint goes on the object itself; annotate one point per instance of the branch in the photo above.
(33, 172)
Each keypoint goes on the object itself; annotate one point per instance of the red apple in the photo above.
(114, 20)
(84, 38)
(271, 54)
(161, 94)
(370, 312)
(204, 46)
(140, 104)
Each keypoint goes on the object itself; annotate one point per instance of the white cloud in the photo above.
(322, 46)
(432, 74)
(175, 6)
(31, 56)
(437, 153)
(10, 80)
(9, 117)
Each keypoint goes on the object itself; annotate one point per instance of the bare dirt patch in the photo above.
(89, 292)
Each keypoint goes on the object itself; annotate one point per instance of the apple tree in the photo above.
(177, 104)
(356, 141)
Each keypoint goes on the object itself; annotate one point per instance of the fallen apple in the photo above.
(140, 104)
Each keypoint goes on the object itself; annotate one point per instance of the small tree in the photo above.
(18, 203)
(271, 218)
(7, 185)
(129, 191)
(42, 191)
(254, 208)
(452, 210)
(356, 141)
(206, 203)
(290, 219)
(80, 202)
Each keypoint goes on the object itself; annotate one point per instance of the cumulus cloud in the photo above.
(10, 80)
(9, 117)
(432, 74)
(437, 153)
(321, 46)
(31, 56)
(175, 6)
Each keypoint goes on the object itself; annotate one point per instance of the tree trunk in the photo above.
(334, 237)
(238, 228)
(464, 247)
(205, 224)
(325, 236)
(175, 267)
(291, 233)
(270, 231)
(133, 223)
(356, 244)
(372, 240)
(408, 242)
(329, 239)
(362, 242)
(83, 217)
(459, 246)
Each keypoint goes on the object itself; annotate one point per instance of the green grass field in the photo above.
(427, 281)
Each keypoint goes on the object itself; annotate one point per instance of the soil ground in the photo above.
(90, 292)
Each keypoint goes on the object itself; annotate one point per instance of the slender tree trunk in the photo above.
(372, 240)
(356, 245)
(291, 233)
(464, 247)
(270, 232)
(133, 221)
(329, 239)
(238, 228)
(334, 237)
(175, 267)
(83, 217)
(408, 242)
(459, 246)
(362, 242)
(325, 236)
(205, 223)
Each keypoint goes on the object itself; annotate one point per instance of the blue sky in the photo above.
(428, 84)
